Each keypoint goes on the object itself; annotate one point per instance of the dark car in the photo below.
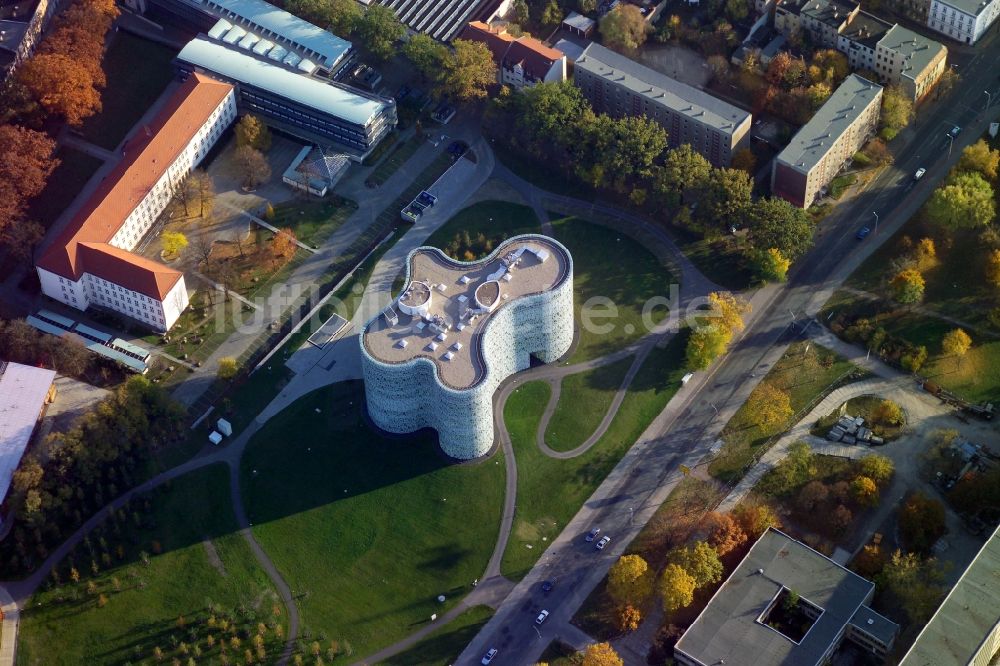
(862, 233)
(955, 131)
(547, 586)
(592, 534)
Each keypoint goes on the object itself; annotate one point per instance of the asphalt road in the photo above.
(686, 430)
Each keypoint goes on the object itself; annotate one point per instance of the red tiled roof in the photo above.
(144, 162)
(535, 57)
(497, 41)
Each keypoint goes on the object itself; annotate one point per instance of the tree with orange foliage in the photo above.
(26, 162)
(283, 246)
(62, 86)
(755, 519)
(725, 534)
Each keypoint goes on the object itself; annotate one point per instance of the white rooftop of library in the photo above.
(435, 357)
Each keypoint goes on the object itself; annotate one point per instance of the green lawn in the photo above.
(805, 372)
(620, 275)
(138, 70)
(445, 644)
(367, 530)
(584, 399)
(721, 261)
(312, 221)
(73, 172)
(839, 184)
(550, 491)
(64, 624)
(496, 220)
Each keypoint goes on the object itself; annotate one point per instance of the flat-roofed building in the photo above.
(24, 393)
(314, 109)
(965, 629)
(622, 87)
(963, 20)
(822, 146)
(520, 61)
(91, 262)
(910, 60)
(752, 621)
(435, 357)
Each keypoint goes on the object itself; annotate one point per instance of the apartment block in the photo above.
(622, 87)
(820, 149)
(897, 55)
(91, 262)
(963, 20)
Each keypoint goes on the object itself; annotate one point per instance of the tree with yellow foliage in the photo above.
(676, 588)
(769, 405)
(630, 580)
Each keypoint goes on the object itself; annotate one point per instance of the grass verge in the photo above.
(376, 528)
(584, 399)
(496, 220)
(312, 221)
(129, 608)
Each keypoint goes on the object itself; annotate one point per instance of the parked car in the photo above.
(955, 131)
(488, 657)
(605, 540)
(592, 534)
(862, 233)
(542, 617)
(547, 586)
(919, 174)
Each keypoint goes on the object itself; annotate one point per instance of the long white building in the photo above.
(91, 262)
(437, 355)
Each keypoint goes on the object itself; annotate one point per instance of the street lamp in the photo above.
(536, 631)
(989, 98)
(876, 222)
(951, 142)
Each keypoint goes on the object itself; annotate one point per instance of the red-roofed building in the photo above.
(91, 262)
(521, 61)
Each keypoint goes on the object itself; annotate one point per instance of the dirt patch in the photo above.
(213, 557)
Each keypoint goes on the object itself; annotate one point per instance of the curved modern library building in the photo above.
(435, 357)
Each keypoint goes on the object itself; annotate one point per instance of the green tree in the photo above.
(227, 367)
(684, 170)
(630, 580)
(770, 265)
(379, 29)
(833, 64)
(771, 407)
(979, 157)
(466, 72)
(624, 28)
(705, 344)
(586, 6)
(737, 10)
(966, 201)
(345, 15)
(549, 115)
(676, 587)
(744, 159)
(921, 522)
(552, 15)
(701, 561)
(426, 53)
(251, 131)
(724, 200)
(864, 490)
(913, 584)
(521, 14)
(897, 111)
(797, 468)
(775, 223)
(907, 286)
(877, 468)
(173, 242)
